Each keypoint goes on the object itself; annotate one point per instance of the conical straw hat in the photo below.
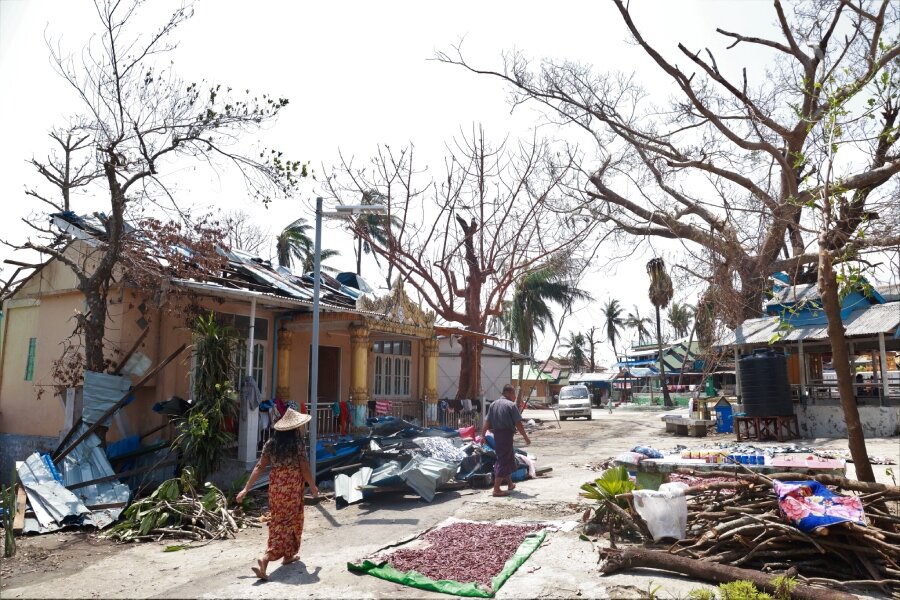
(292, 420)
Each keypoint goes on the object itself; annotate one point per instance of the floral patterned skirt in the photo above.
(286, 507)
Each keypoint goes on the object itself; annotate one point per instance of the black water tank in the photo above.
(765, 391)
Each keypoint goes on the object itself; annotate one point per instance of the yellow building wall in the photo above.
(51, 321)
(20, 409)
(338, 337)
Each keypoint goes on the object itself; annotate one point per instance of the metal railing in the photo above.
(413, 411)
(827, 393)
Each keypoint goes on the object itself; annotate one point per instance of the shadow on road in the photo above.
(296, 573)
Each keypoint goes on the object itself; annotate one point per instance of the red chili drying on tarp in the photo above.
(464, 552)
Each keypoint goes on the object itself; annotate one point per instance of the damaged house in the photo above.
(381, 354)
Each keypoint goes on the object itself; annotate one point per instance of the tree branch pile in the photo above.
(738, 523)
(176, 510)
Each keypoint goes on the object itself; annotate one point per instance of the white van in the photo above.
(574, 401)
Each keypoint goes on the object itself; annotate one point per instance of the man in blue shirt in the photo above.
(503, 419)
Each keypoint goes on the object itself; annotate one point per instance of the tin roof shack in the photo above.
(599, 384)
(536, 385)
(797, 326)
(270, 307)
(496, 363)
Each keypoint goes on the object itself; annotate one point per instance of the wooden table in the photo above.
(653, 472)
(781, 428)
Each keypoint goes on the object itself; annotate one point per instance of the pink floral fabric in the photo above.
(809, 504)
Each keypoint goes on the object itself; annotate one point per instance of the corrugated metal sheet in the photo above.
(213, 289)
(101, 392)
(88, 462)
(53, 505)
(591, 377)
(795, 294)
(869, 321)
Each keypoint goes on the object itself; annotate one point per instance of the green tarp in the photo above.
(415, 579)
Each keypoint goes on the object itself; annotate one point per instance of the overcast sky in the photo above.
(357, 74)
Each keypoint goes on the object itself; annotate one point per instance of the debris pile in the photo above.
(746, 528)
(177, 510)
(398, 456)
(750, 522)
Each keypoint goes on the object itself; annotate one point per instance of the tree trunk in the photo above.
(840, 359)
(635, 558)
(469, 372)
(93, 329)
(667, 400)
(359, 253)
(593, 356)
(690, 343)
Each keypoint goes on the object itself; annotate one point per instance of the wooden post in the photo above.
(115, 407)
(802, 372)
(885, 380)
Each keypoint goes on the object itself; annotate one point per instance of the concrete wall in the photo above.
(828, 421)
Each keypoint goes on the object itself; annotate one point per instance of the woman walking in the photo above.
(290, 471)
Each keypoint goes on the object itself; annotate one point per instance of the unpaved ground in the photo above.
(78, 565)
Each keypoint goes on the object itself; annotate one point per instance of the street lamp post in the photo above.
(339, 211)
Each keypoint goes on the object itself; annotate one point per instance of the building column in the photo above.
(737, 375)
(283, 389)
(248, 432)
(430, 349)
(359, 375)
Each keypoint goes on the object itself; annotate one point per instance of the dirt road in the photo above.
(71, 565)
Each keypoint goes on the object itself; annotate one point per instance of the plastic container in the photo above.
(765, 390)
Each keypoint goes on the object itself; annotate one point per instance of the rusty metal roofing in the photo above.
(868, 321)
(267, 298)
(244, 271)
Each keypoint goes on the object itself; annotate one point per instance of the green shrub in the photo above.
(202, 435)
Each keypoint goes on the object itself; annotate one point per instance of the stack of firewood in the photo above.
(737, 524)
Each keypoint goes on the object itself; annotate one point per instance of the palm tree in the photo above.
(639, 324)
(529, 309)
(575, 350)
(294, 244)
(613, 321)
(660, 293)
(592, 347)
(680, 317)
(372, 228)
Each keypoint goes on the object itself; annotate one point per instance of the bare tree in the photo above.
(242, 233)
(835, 203)
(729, 166)
(136, 118)
(463, 241)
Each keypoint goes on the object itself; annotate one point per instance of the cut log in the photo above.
(634, 558)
